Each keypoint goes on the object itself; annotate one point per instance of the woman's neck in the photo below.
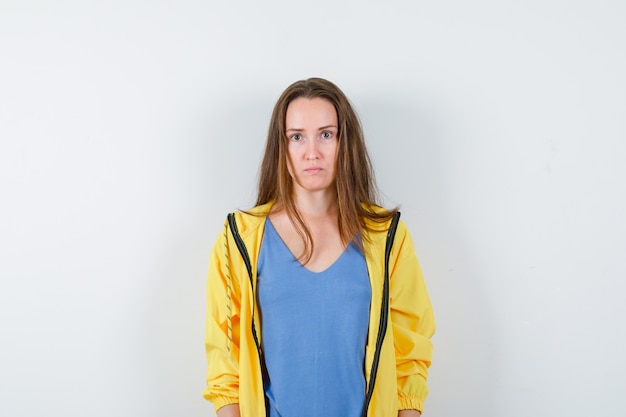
(315, 205)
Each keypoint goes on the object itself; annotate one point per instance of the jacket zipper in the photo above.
(384, 313)
(246, 259)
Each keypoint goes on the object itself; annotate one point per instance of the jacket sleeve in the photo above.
(412, 322)
(222, 326)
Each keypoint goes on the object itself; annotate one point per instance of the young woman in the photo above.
(316, 302)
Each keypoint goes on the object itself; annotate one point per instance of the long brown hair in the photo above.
(355, 186)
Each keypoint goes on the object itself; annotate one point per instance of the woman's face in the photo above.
(311, 126)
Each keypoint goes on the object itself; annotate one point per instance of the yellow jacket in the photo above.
(233, 336)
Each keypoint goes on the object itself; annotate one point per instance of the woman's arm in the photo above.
(222, 326)
(409, 413)
(231, 410)
(412, 322)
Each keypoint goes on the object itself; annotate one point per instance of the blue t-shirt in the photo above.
(314, 330)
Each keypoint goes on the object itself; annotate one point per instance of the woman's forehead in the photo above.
(315, 112)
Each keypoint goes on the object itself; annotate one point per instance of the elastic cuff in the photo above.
(410, 403)
(220, 401)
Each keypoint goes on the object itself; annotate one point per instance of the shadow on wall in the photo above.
(223, 152)
(174, 361)
(409, 140)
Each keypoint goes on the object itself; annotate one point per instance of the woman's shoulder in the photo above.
(378, 218)
(250, 220)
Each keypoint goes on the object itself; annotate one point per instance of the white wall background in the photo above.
(130, 128)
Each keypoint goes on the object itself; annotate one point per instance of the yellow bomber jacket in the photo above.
(396, 361)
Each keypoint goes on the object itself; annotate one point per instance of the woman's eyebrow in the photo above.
(295, 129)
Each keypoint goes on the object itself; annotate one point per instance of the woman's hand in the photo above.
(409, 413)
(230, 410)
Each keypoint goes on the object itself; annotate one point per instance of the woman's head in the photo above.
(353, 176)
(352, 183)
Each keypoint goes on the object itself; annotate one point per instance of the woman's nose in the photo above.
(312, 149)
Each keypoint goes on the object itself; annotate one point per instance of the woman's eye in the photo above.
(326, 135)
(296, 137)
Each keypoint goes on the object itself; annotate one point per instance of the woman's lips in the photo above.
(313, 170)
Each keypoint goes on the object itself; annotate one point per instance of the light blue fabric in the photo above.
(314, 331)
